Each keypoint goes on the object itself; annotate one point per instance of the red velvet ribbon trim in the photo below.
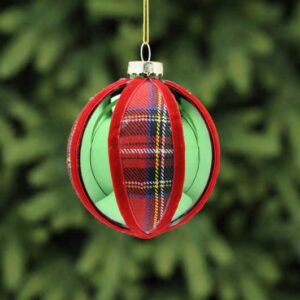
(74, 153)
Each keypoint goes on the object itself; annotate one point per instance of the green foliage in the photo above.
(242, 59)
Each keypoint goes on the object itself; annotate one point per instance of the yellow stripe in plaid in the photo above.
(144, 117)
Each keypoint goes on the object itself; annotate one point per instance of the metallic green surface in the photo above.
(95, 168)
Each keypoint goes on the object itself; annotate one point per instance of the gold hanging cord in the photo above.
(146, 22)
(146, 31)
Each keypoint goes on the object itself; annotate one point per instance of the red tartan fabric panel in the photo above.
(147, 155)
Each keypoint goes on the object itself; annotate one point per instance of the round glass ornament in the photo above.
(144, 153)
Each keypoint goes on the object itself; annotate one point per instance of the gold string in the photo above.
(146, 22)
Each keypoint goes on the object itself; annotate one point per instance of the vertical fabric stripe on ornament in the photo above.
(147, 155)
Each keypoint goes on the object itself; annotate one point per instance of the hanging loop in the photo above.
(147, 46)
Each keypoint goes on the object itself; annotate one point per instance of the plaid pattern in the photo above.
(146, 149)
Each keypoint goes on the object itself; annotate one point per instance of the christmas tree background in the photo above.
(242, 59)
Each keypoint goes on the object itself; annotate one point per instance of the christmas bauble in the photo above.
(144, 154)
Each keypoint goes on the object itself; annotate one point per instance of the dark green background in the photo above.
(242, 59)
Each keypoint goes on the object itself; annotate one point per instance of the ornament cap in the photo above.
(145, 68)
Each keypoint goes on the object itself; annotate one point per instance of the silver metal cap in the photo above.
(145, 68)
